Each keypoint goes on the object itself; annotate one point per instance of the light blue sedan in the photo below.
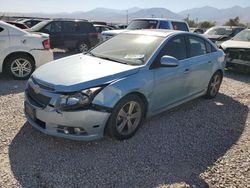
(111, 89)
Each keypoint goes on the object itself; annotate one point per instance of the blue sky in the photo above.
(53, 6)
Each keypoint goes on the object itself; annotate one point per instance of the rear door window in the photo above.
(180, 26)
(69, 27)
(176, 47)
(1, 29)
(197, 46)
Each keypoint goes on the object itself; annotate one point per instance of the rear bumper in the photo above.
(42, 56)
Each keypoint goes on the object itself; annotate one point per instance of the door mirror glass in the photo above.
(169, 61)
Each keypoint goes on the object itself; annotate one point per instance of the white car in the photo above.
(148, 23)
(21, 52)
(237, 50)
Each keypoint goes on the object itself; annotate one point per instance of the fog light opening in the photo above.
(71, 130)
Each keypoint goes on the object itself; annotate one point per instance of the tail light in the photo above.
(46, 44)
(98, 36)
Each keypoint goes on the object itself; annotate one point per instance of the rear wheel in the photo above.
(126, 117)
(82, 47)
(214, 85)
(20, 66)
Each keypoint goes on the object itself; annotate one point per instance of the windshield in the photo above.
(142, 24)
(243, 36)
(128, 48)
(219, 31)
(39, 26)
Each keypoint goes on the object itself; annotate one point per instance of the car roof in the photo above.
(228, 27)
(153, 32)
(160, 19)
(99, 25)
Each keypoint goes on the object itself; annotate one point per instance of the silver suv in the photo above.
(149, 23)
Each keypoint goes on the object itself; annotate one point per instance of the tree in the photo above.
(190, 22)
(234, 22)
(206, 24)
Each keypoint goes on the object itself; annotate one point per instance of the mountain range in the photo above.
(120, 16)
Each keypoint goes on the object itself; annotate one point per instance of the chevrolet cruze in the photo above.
(113, 87)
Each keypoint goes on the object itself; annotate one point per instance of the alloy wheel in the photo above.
(21, 67)
(128, 118)
(83, 47)
(215, 84)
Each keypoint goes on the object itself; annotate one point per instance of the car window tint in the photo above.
(208, 47)
(53, 27)
(176, 47)
(179, 26)
(164, 25)
(197, 46)
(70, 27)
(87, 27)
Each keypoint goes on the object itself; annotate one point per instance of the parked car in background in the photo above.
(21, 52)
(78, 35)
(122, 26)
(219, 34)
(101, 28)
(197, 30)
(19, 25)
(30, 22)
(238, 50)
(111, 89)
(98, 22)
(149, 23)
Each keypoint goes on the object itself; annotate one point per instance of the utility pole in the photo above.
(127, 16)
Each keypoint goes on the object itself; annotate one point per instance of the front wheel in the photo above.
(214, 85)
(126, 117)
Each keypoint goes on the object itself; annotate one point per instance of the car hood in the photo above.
(113, 32)
(214, 37)
(235, 44)
(80, 71)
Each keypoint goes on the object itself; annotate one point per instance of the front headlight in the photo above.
(79, 100)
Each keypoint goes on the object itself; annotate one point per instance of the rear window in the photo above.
(180, 26)
(142, 24)
(164, 25)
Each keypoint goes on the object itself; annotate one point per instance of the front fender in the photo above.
(142, 82)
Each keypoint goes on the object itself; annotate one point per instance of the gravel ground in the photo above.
(204, 143)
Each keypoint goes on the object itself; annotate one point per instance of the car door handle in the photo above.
(186, 71)
(209, 62)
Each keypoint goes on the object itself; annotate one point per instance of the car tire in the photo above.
(126, 117)
(82, 47)
(214, 85)
(20, 66)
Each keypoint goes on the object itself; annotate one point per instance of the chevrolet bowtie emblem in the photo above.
(37, 89)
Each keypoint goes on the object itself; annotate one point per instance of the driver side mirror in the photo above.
(169, 61)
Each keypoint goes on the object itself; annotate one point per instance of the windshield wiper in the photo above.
(111, 59)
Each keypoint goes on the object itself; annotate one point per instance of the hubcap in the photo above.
(128, 118)
(21, 67)
(215, 85)
(83, 47)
